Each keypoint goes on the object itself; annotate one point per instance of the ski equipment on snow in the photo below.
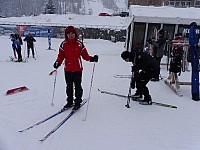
(12, 59)
(54, 87)
(46, 119)
(137, 99)
(16, 90)
(90, 91)
(62, 122)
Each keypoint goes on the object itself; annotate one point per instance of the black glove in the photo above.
(94, 58)
(133, 68)
(132, 83)
(149, 41)
(56, 65)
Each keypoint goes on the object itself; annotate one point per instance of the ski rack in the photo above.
(175, 86)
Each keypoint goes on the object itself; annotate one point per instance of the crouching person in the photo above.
(144, 68)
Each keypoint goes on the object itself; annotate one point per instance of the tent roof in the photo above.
(165, 14)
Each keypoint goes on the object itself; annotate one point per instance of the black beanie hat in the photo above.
(125, 55)
(161, 31)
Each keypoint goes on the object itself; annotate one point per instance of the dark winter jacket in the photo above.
(145, 63)
(158, 47)
(30, 40)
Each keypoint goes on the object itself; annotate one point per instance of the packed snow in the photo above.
(109, 124)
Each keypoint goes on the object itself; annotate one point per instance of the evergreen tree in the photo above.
(49, 7)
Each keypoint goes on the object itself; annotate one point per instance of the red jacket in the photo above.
(72, 51)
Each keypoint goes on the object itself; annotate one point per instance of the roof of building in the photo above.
(165, 14)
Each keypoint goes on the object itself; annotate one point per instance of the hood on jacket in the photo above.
(194, 24)
(71, 29)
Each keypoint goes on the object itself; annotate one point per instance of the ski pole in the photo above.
(54, 87)
(25, 49)
(129, 94)
(35, 50)
(89, 92)
(129, 90)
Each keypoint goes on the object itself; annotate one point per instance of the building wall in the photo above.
(145, 2)
(158, 2)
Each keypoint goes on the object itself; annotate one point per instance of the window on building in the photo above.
(172, 3)
(169, 28)
(138, 35)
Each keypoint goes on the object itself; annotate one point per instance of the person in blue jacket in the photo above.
(17, 42)
(193, 43)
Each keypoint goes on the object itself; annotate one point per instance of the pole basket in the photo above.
(16, 90)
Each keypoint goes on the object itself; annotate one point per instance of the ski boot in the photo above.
(136, 95)
(76, 106)
(147, 101)
(67, 106)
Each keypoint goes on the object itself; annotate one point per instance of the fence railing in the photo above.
(63, 25)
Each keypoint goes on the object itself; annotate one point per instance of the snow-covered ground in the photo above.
(109, 125)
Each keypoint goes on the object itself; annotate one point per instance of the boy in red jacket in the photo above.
(72, 50)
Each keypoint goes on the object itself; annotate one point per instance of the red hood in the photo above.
(71, 29)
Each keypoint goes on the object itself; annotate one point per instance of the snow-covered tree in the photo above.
(49, 7)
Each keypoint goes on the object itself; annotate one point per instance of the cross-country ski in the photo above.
(137, 99)
(62, 122)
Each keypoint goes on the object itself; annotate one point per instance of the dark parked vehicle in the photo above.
(124, 14)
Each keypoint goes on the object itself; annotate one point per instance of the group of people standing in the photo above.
(146, 66)
(17, 42)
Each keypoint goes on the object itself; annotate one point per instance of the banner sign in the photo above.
(37, 31)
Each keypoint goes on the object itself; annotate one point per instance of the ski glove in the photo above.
(56, 65)
(94, 58)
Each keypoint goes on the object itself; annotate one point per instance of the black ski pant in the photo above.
(141, 83)
(32, 49)
(74, 79)
(158, 60)
(19, 54)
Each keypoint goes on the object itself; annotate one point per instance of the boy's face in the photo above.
(71, 35)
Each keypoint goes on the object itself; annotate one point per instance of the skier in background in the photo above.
(12, 37)
(144, 68)
(158, 50)
(30, 45)
(176, 52)
(17, 42)
(71, 49)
